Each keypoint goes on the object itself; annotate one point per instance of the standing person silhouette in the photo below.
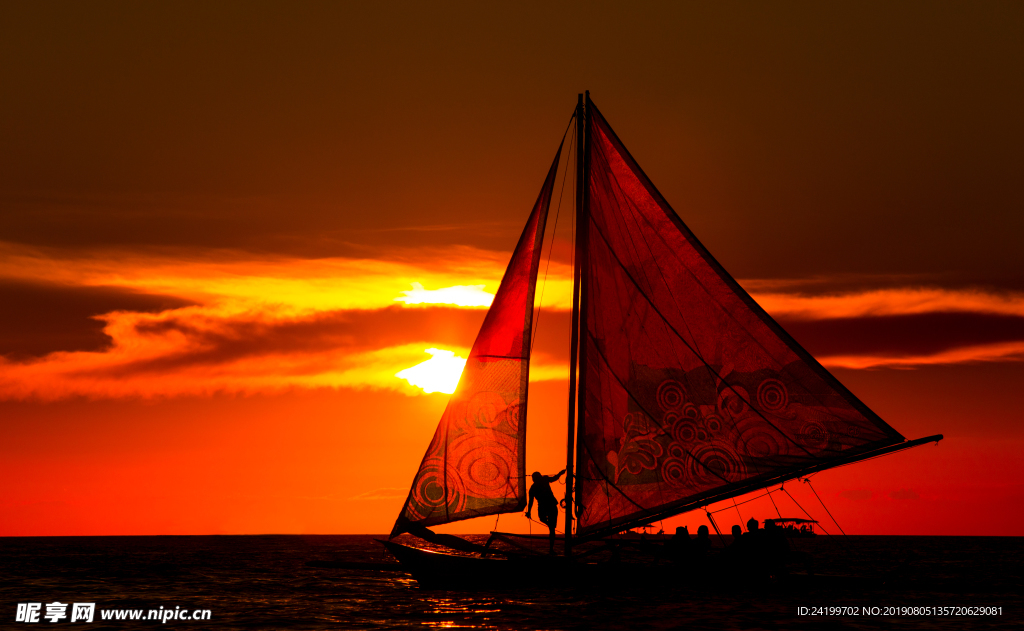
(547, 505)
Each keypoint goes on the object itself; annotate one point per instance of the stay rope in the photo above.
(774, 504)
(807, 481)
(554, 230)
(805, 512)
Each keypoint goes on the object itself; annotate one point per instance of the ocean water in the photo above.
(264, 582)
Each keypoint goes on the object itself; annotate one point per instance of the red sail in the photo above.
(475, 463)
(690, 389)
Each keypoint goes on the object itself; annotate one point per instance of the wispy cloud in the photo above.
(890, 301)
(237, 322)
(200, 350)
(132, 372)
(1008, 351)
(896, 326)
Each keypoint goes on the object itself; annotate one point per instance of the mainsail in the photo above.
(475, 464)
(689, 391)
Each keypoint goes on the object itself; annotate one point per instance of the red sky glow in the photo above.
(225, 229)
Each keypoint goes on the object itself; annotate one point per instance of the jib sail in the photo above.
(475, 463)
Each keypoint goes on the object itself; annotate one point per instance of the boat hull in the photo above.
(441, 570)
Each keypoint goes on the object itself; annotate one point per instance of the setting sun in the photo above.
(440, 373)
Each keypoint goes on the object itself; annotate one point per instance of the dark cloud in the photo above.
(353, 331)
(855, 283)
(37, 318)
(903, 335)
(234, 339)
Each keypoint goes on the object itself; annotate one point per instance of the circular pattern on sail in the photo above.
(842, 429)
(814, 435)
(684, 431)
(714, 465)
(484, 409)
(671, 395)
(510, 418)
(484, 464)
(675, 474)
(428, 491)
(757, 439)
(772, 395)
(675, 450)
(691, 411)
(712, 423)
(732, 401)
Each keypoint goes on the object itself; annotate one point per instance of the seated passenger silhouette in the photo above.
(735, 550)
(748, 549)
(547, 505)
(701, 544)
(776, 548)
(763, 552)
(679, 545)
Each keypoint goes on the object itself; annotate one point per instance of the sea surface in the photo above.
(265, 582)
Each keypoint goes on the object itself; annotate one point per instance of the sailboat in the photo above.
(683, 391)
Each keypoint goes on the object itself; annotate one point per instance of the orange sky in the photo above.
(224, 230)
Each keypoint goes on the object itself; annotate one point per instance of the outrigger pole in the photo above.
(760, 482)
(574, 343)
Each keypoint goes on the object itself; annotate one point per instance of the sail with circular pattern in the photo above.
(690, 392)
(475, 463)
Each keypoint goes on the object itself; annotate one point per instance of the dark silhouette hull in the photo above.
(443, 570)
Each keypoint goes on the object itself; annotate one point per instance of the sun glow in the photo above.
(440, 373)
(461, 295)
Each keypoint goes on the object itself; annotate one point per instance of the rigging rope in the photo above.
(773, 501)
(557, 531)
(807, 481)
(554, 230)
(804, 511)
(717, 531)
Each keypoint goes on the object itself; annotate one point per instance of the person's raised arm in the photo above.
(554, 478)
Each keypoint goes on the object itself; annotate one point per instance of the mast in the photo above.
(570, 445)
